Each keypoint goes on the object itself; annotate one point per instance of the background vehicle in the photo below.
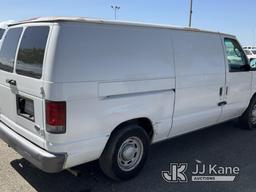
(74, 90)
(250, 53)
(249, 47)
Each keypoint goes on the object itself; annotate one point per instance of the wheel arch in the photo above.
(252, 98)
(143, 122)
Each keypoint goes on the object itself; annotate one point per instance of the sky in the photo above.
(228, 16)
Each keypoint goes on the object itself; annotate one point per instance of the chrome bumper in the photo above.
(47, 162)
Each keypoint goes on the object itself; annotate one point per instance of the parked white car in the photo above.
(250, 53)
(249, 47)
(74, 90)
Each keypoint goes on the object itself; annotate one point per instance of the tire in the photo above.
(125, 153)
(248, 119)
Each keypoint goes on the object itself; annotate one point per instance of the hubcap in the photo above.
(130, 154)
(253, 115)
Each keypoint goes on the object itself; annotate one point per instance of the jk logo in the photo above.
(176, 173)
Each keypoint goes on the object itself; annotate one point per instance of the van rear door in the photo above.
(7, 58)
(23, 107)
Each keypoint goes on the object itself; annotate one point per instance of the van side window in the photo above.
(9, 48)
(236, 57)
(31, 51)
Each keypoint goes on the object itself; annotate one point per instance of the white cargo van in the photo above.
(74, 90)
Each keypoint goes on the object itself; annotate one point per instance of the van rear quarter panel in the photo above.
(109, 74)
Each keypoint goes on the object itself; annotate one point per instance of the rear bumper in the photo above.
(47, 162)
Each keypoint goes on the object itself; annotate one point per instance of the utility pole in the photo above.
(115, 8)
(190, 13)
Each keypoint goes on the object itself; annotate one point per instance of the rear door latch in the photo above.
(11, 82)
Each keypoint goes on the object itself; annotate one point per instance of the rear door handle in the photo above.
(11, 82)
(220, 104)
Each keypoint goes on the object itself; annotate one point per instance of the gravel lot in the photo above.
(226, 144)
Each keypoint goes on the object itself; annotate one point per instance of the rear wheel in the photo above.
(248, 119)
(125, 153)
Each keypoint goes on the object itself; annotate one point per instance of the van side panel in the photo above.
(200, 73)
(109, 74)
(97, 52)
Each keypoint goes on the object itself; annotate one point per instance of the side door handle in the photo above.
(220, 104)
(221, 91)
(227, 90)
(11, 82)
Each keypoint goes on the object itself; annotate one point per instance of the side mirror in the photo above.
(253, 64)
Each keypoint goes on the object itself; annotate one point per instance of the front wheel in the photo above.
(125, 153)
(248, 119)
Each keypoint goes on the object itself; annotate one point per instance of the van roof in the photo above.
(113, 22)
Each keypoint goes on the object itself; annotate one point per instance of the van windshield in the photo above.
(31, 51)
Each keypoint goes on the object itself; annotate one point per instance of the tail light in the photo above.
(56, 117)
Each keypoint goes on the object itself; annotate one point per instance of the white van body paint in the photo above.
(110, 72)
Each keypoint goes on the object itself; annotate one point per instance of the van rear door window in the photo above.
(1, 33)
(9, 48)
(31, 51)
